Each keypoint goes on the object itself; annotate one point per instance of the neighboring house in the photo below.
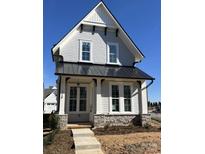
(98, 82)
(50, 100)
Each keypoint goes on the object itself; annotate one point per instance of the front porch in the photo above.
(88, 99)
(102, 95)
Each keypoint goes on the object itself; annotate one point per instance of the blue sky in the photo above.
(141, 19)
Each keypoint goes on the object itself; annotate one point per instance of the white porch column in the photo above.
(144, 102)
(98, 97)
(62, 96)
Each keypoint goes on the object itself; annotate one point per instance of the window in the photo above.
(83, 98)
(73, 98)
(85, 50)
(115, 98)
(120, 97)
(112, 53)
(127, 98)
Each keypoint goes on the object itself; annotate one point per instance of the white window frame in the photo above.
(121, 97)
(91, 48)
(78, 98)
(131, 91)
(111, 98)
(108, 53)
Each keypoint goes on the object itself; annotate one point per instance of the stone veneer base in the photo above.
(101, 120)
(63, 120)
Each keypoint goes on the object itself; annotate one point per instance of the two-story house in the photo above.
(98, 82)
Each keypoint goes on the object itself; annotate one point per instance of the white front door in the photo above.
(78, 106)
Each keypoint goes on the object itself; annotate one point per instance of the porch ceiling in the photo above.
(95, 70)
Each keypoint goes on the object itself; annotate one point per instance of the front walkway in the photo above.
(85, 142)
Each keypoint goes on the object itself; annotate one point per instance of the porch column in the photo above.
(143, 93)
(98, 97)
(62, 96)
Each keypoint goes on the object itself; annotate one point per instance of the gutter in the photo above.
(152, 81)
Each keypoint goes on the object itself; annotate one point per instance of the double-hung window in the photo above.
(115, 98)
(127, 98)
(85, 51)
(120, 97)
(112, 54)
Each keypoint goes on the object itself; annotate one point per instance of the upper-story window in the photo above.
(112, 53)
(85, 51)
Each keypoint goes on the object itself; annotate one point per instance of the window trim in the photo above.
(78, 99)
(127, 98)
(121, 97)
(115, 98)
(80, 48)
(108, 53)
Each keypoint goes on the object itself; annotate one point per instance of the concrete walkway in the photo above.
(85, 142)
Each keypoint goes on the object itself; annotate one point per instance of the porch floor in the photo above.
(78, 125)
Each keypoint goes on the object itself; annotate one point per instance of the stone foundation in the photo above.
(102, 120)
(63, 120)
(145, 119)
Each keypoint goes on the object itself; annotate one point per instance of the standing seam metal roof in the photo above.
(82, 69)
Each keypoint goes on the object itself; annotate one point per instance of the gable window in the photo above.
(112, 53)
(85, 51)
(127, 98)
(115, 98)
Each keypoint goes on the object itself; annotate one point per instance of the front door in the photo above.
(78, 103)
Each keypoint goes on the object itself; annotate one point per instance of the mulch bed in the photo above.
(131, 139)
(61, 144)
(117, 130)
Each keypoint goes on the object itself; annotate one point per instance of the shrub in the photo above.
(53, 121)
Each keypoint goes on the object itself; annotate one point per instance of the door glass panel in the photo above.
(73, 98)
(83, 99)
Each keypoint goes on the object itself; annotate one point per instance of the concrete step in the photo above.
(85, 143)
(83, 132)
(89, 151)
(79, 125)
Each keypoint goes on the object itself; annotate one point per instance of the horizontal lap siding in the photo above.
(70, 51)
(135, 98)
(105, 97)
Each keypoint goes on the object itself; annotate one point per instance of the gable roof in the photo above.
(49, 91)
(111, 23)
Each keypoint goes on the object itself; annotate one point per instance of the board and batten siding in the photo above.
(71, 49)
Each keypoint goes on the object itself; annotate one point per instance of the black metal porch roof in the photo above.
(95, 70)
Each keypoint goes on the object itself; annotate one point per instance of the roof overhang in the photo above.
(122, 33)
(96, 70)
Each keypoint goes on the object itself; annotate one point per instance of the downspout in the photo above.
(147, 85)
(59, 87)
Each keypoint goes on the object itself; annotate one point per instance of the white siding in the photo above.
(106, 94)
(135, 98)
(144, 98)
(100, 16)
(50, 103)
(105, 97)
(71, 50)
